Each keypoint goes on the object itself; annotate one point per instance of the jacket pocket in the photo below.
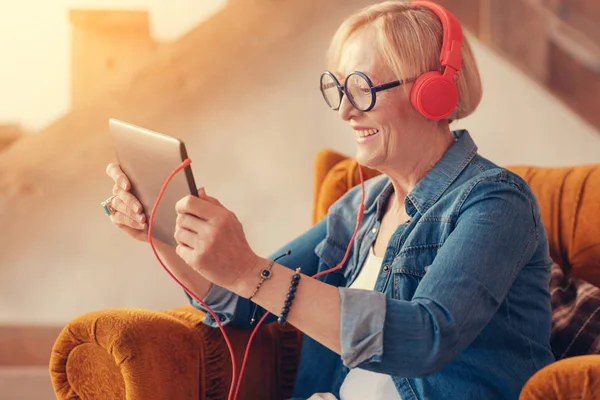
(330, 254)
(409, 268)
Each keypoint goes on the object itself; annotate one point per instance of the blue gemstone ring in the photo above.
(107, 206)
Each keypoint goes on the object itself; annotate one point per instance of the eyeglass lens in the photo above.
(357, 89)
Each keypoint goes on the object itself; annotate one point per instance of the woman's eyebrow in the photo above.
(372, 76)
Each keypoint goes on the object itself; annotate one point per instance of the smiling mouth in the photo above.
(366, 133)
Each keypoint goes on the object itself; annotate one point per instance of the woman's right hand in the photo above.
(129, 215)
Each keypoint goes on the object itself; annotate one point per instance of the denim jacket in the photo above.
(461, 307)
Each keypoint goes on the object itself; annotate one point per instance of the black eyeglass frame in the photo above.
(342, 89)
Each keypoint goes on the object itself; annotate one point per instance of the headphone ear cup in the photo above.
(433, 96)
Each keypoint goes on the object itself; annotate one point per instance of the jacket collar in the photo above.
(435, 183)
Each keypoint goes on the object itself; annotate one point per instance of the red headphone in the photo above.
(435, 94)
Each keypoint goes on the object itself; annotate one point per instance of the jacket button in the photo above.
(374, 230)
(386, 268)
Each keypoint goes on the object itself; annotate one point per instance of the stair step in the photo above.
(25, 383)
(27, 345)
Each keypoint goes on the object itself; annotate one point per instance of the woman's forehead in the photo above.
(360, 53)
(375, 69)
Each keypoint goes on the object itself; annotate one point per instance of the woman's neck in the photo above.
(407, 173)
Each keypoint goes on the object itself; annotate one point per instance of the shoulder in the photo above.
(486, 175)
(487, 186)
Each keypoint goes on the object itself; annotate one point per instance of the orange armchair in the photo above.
(139, 354)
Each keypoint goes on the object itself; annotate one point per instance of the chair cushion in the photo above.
(569, 199)
(340, 178)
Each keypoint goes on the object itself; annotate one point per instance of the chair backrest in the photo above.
(569, 199)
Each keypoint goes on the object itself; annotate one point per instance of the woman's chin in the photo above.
(369, 151)
(367, 159)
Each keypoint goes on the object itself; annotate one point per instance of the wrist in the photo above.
(252, 277)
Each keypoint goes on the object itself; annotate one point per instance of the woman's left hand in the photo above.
(211, 240)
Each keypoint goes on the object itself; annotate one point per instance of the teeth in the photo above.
(367, 132)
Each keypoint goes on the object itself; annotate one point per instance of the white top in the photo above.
(361, 384)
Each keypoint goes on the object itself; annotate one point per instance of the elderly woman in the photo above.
(444, 290)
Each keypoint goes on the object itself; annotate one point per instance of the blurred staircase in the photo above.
(24, 357)
(9, 134)
(25, 383)
(178, 74)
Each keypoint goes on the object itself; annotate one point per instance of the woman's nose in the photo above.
(346, 110)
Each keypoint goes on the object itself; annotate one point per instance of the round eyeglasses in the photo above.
(358, 87)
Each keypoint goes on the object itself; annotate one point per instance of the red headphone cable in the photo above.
(183, 165)
(359, 218)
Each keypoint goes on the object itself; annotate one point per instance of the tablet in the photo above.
(148, 158)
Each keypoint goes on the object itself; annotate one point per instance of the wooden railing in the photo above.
(9, 134)
(555, 42)
(26, 345)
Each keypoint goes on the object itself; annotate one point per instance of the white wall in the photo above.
(253, 147)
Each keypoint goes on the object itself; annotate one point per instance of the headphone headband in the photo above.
(450, 56)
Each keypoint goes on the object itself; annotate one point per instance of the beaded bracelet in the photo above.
(289, 298)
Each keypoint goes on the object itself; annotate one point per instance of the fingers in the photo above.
(120, 218)
(190, 230)
(199, 207)
(114, 171)
(129, 209)
(122, 208)
(128, 215)
(188, 222)
(126, 200)
(202, 194)
(186, 237)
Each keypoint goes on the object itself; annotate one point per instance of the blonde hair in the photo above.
(409, 41)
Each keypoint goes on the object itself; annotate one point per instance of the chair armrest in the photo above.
(569, 378)
(140, 354)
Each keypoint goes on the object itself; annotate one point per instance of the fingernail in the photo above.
(140, 217)
(136, 207)
(123, 185)
(202, 191)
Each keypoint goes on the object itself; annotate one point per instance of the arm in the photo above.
(238, 310)
(494, 236)
(316, 309)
